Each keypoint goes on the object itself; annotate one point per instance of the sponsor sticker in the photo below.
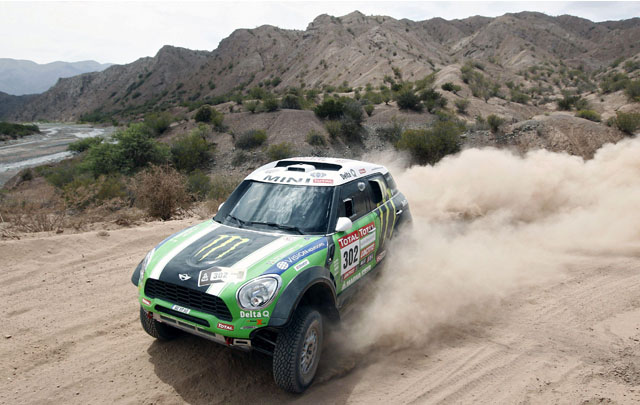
(323, 181)
(366, 260)
(362, 171)
(146, 302)
(297, 256)
(181, 309)
(254, 314)
(381, 256)
(352, 246)
(220, 247)
(219, 275)
(301, 265)
(225, 326)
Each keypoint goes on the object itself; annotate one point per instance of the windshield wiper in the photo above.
(240, 222)
(279, 226)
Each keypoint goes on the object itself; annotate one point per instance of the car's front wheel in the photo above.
(157, 329)
(297, 352)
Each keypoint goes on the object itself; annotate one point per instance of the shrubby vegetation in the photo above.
(588, 115)
(251, 139)
(279, 151)
(627, 122)
(192, 151)
(495, 122)
(82, 145)
(428, 146)
(14, 131)
(315, 138)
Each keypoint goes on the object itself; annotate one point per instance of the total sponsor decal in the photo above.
(220, 275)
(352, 244)
(225, 326)
(297, 256)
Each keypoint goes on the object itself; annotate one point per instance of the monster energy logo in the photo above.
(220, 246)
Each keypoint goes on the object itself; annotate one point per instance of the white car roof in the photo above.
(315, 171)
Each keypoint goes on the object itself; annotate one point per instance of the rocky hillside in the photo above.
(19, 77)
(528, 49)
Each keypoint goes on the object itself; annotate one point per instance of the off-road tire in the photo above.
(157, 329)
(287, 356)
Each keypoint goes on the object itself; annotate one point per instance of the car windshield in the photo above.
(284, 207)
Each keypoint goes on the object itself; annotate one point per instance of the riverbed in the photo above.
(48, 146)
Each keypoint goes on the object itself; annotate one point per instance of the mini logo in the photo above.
(184, 277)
(282, 265)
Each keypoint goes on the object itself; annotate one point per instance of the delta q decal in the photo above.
(282, 265)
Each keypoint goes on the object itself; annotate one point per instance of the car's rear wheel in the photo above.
(157, 329)
(297, 352)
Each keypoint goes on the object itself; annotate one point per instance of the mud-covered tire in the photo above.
(294, 370)
(157, 329)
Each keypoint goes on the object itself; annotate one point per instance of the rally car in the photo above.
(279, 260)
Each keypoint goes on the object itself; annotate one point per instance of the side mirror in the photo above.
(220, 206)
(344, 224)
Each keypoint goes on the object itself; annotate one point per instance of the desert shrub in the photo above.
(432, 99)
(61, 173)
(480, 124)
(407, 99)
(158, 123)
(135, 149)
(632, 90)
(160, 191)
(334, 128)
(85, 190)
(198, 185)
(571, 101)
(96, 117)
(315, 138)
(614, 82)
(330, 108)
(369, 109)
(427, 146)
(462, 105)
(589, 115)
(222, 186)
(518, 96)
(270, 104)
(204, 114)
(353, 111)
(239, 158)
(495, 122)
(251, 139)
(350, 130)
(279, 151)
(190, 152)
(17, 130)
(258, 93)
(291, 101)
(631, 65)
(391, 133)
(84, 144)
(448, 86)
(628, 122)
(251, 106)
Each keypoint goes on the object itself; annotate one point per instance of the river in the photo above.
(48, 146)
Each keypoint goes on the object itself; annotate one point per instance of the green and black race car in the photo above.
(277, 261)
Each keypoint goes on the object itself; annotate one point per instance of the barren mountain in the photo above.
(355, 49)
(19, 77)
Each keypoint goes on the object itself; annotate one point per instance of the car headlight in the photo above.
(259, 292)
(145, 263)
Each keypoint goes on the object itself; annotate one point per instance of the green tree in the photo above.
(428, 146)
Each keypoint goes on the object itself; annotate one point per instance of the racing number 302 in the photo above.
(349, 257)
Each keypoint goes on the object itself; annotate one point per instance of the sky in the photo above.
(121, 32)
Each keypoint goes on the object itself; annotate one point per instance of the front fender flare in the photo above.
(295, 290)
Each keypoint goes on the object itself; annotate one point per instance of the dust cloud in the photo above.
(488, 222)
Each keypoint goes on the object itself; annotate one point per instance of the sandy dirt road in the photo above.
(71, 334)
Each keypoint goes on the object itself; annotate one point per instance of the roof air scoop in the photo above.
(301, 168)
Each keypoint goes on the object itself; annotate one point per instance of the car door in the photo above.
(357, 245)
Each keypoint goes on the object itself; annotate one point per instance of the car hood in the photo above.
(210, 256)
